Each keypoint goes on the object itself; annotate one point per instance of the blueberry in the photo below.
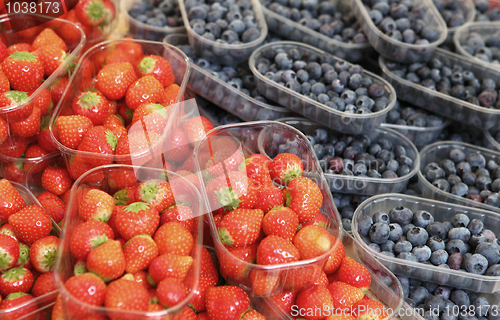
(407, 256)
(422, 218)
(463, 167)
(455, 260)
(229, 36)
(493, 270)
(419, 294)
(461, 233)
(400, 215)
(460, 220)
(364, 225)
(423, 253)
(460, 298)
(489, 251)
(250, 34)
(430, 34)
(476, 160)
(456, 245)
(387, 246)
(417, 236)
(434, 172)
(435, 243)
(436, 229)
(457, 155)
(475, 226)
(314, 70)
(435, 303)
(493, 200)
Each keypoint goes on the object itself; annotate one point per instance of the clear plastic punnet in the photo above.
(484, 29)
(420, 136)
(490, 140)
(469, 8)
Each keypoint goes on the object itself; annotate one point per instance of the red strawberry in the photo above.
(368, 309)
(285, 301)
(80, 268)
(257, 167)
(43, 101)
(16, 104)
(139, 252)
(8, 230)
(124, 197)
(24, 257)
(155, 192)
(304, 197)
(236, 263)
(240, 227)
(264, 282)
(14, 171)
(253, 315)
(157, 67)
(24, 70)
(19, 47)
(173, 237)
(276, 250)
(269, 196)
(169, 265)
(3, 50)
(181, 214)
(44, 284)
(97, 205)
(51, 57)
(120, 178)
(114, 79)
(86, 288)
(335, 259)
(113, 121)
(20, 305)
(301, 277)
(43, 253)
(87, 236)
(16, 280)
(281, 221)
(226, 303)
(133, 49)
(207, 264)
(171, 292)
(92, 105)
(48, 38)
(4, 82)
(9, 252)
(27, 127)
(199, 291)
(72, 129)
(355, 274)
(56, 180)
(11, 200)
(58, 87)
(285, 167)
(145, 90)
(232, 191)
(4, 129)
(195, 128)
(35, 151)
(313, 241)
(315, 298)
(177, 148)
(152, 116)
(344, 295)
(14, 146)
(31, 224)
(53, 204)
(170, 95)
(90, 12)
(110, 11)
(101, 141)
(135, 219)
(125, 295)
(224, 159)
(107, 260)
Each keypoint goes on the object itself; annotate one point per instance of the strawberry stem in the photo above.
(228, 199)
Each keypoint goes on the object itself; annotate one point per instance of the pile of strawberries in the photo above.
(27, 253)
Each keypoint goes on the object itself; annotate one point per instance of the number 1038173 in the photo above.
(43, 7)
(472, 310)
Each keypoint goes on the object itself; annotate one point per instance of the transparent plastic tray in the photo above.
(231, 54)
(438, 151)
(144, 31)
(490, 142)
(469, 8)
(443, 104)
(251, 138)
(294, 31)
(65, 261)
(426, 272)
(385, 287)
(355, 184)
(398, 50)
(203, 83)
(33, 177)
(485, 29)
(420, 136)
(7, 165)
(297, 102)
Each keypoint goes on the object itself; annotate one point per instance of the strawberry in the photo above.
(257, 168)
(223, 160)
(88, 236)
(125, 196)
(97, 205)
(226, 303)
(4, 82)
(335, 259)
(80, 268)
(120, 178)
(304, 197)
(72, 129)
(114, 79)
(240, 227)
(24, 70)
(43, 101)
(344, 295)
(16, 104)
(14, 171)
(312, 299)
(24, 257)
(199, 291)
(19, 47)
(173, 237)
(56, 180)
(27, 127)
(303, 276)
(207, 264)
(313, 241)
(268, 197)
(285, 167)
(177, 148)
(87, 288)
(232, 191)
(20, 305)
(51, 57)
(186, 314)
(139, 252)
(355, 274)
(31, 224)
(276, 250)
(48, 38)
(235, 264)
(195, 128)
(8, 230)
(169, 265)
(4, 129)
(133, 49)
(152, 116)
(14, 146)
(368, 309)
(110, 11)
(16, 280)
(202, 316)
(171, 292)
(35, 151)
(155, 192)
(43, 253)
(91, 104)
(281, 221)
(44, 284)
(157, 67)
(252, 315)
(342, 316)
(145, 90)
(181, 214)
(107, 260)
(112, 121)
(57, 310)
(125, 295)
(58, 87)
(53, 204)
(284, 301)
(11, 200)
(3, 50)
(170, 95)
(264, 282)
(90, 12)
(101, 141)
(135, 219)
(9, 252)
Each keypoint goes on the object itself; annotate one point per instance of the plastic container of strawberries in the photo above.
(33, 177)
(181, 68)
(385, 287)
(17, 169)
(184, 192)
(251, 138)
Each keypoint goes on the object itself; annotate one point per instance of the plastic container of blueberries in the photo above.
(299, 103)
(420, 136)
(294, 31)
(441, 211)
(181, 68)
(231, 54)
(443, 104)
(397, 50)
(251, 138)
(354, 184)
(184, 191)
(140, 30)
(469, 8)
(438, 151)
(485, 29)
(490, 142)
(385, 287)
(203, 83)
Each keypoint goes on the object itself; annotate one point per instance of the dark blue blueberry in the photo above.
(489, 251)
(387, 246)
(460, 220)
(423, 253)
(457, 155)
(493, 200)
(417, 236)
(364, 225)
(435, 243)
(456, 245)
(250, 34)
(379, 232)
(422, 218)
(461, 233)
(475, 226)
(419, 294)
(400, 215)
(436, 229)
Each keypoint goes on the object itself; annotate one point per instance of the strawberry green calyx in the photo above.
(24, 254)
(19, 97)
(5, 260)
(150, 280)
(121, 197)
(291, 173)
(136, 207)
(14, 274)
(288, 198)
(99, 240)
(95, 10)
(80, 268)
(147, 65)
(111, 139)
(15, 295)
(89, 100)
(23, 55)
(149, 191)
(228, 199)
(225, 237)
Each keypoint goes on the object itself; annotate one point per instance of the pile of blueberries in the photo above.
(336, 84)
(454, 80)
(486, 12)
(486, 49)
(321, 16)
(347, 204)
(447, 303)
(466, 175)
(225, 22)
(460, 244)
(402, 20)
(221, 116)
(164, 13)
(405, 115)
(451, 11)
